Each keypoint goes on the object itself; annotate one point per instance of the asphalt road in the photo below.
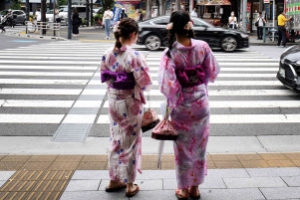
(77, 62)
(7, 42)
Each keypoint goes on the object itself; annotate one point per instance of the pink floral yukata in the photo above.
(126, 112)
(190, 112)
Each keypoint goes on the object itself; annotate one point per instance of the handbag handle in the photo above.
(168, 110)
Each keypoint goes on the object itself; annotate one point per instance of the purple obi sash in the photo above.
(191, 76)
(121, 80)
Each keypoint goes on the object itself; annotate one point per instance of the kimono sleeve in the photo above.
(168, 82)
(210, 64)
(140, 71)
(103, 64)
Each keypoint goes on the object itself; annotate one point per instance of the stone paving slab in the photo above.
(93, 195)
(2, 183)
(291, 171)
(281, 193)
(5, 175)
(292, 181)
(254, 182)
(83, 185)
(210, 182)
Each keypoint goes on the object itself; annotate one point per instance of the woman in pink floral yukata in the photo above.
(186, 68)
(126, 73)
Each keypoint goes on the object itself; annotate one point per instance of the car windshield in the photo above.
(200, 23)
(164, 20)
(49, 12)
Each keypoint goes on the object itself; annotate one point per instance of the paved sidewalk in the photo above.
(91, 34)
(239, 168)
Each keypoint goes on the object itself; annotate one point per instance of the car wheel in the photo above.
(152, 42)
(229, 43)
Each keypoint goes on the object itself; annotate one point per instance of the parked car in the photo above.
(62, 15)
(19, 16)
(289, 68)
(153, 34)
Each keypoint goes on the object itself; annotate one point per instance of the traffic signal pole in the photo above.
(69, 19)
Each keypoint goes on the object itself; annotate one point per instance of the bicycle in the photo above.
(98, 24)
(33, 27)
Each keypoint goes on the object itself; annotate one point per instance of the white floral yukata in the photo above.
(126, 112)
(190, 112)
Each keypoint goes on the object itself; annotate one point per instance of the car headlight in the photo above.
(244, 35)
(298, 62)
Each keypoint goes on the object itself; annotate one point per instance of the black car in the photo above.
(153, 34)
(289, 68)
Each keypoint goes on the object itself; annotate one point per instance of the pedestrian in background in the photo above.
(126, 99)
(232, 21)
(107, 16)
(56, 13)
(260, 23)
(141, 15)
(187, 96)
(194, 13)
(281, 29)
(38, 15)
(123, 14)
(76, 21)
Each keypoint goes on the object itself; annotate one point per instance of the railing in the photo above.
(42, 27)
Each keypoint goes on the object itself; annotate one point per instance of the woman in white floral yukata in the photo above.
(126, 73)
(186, 68)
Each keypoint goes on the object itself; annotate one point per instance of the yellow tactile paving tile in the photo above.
(46, 176)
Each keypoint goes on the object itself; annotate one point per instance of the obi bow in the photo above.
(191, 76)
(120, 80)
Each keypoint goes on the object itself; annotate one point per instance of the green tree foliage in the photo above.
(16, 5)
(62, 2)
(107, 3)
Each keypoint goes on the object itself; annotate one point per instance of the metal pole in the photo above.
(27, 10)
(273, 34)
(53, 6)
(92, 17)
(244, 16)
(87, 13)
(43, 17)
(69, 19)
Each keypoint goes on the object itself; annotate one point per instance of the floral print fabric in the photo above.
(190, 113)
(126, 113)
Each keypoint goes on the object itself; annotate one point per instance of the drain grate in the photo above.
(79, 121)
(72, 132)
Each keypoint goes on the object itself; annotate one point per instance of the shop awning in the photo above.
(128, 2)
(213, 2)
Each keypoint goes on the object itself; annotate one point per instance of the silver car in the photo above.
(19, 16)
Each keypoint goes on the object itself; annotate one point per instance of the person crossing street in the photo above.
(281, 29)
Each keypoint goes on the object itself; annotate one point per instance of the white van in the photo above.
(80, 8)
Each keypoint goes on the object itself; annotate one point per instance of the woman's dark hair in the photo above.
(179, 20)
(125, 28)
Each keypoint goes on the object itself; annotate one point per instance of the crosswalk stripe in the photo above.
(33, 73)
(233, 104)
(36, 103)
(74, 64)
(238, 119)
(31, 118)
(40, 91)
(49, 67)
(153, 92)
(44, 81)
(222, 83)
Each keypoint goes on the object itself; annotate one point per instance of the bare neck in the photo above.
(184, 40)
